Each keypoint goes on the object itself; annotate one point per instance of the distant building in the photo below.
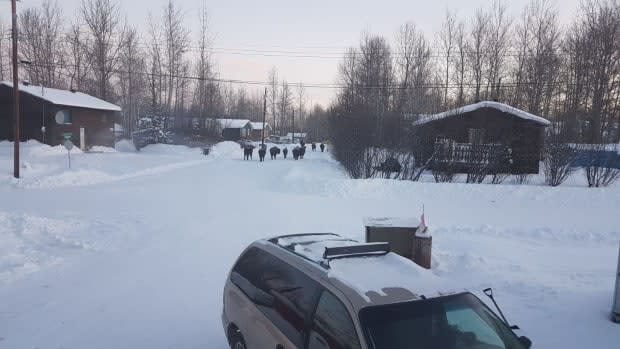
(257, 130)
(296, 137)
(231, 129)
(52, 115)
(481, 133)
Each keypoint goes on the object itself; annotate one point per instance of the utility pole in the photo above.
(293, 139)
(16, 136)
(264, 115)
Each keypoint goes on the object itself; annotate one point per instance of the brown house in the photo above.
(257, 130)
(52, 115)
(486, 132)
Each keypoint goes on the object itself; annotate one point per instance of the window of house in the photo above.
(64, 117)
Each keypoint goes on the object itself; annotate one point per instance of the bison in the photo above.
(248, 150)
(274, 151)
(322, 147)
(285, 152)
(296, 153)
(262, 151)
(389, 166)
(313, 146)
(302, 151)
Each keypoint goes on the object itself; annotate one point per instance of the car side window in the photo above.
(332, 327)
(245, 272)
(289, 298)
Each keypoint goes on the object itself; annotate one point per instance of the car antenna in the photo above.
(489, 293)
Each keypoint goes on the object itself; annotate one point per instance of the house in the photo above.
(257, 131)
(230, 129)
(486, 132)
(296, 137)
(52, 115)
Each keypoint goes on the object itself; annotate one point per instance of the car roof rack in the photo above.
(368, 249)
(275, 239)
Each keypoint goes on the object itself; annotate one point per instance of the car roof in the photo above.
(366, 279)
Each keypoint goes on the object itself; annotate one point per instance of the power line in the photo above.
(437, 85)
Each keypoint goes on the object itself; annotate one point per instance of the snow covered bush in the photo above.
(602, 165)
(558, 158)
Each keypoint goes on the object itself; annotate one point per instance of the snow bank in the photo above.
(125, 146)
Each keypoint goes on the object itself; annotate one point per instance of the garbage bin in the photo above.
(615, 314)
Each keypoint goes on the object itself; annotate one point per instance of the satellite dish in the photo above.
(61, 117)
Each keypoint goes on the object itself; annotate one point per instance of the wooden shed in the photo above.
(257, 130)
(490, 132)
(51, 115)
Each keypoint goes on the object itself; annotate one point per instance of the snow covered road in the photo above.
(131, 250)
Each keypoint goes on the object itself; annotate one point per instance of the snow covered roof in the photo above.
(484, 104)
(258, 125)
(394, 278)
(233, 123)
(65, 97)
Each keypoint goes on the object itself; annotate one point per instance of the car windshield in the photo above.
(451, 322)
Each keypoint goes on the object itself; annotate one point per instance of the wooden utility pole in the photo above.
(264, 115)
(293, 139)
(16, 136)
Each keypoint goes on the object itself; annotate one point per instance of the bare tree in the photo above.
(41, 43)
(538, 62)
(447, 40)
(285, 102)
(77, 57)
(131, 79)
(204, 96)
(413, 70)
(460, 62)
(477, 50)
(155, 64)
(497, 45)
(176, 42)
(300, 115)
(102, 19)
(272, 96)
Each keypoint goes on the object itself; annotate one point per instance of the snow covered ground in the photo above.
(130, 250)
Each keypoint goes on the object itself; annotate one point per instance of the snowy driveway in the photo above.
(131, 250)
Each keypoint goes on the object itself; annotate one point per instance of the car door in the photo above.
(291, 298)
(332, 326)
(242, 300)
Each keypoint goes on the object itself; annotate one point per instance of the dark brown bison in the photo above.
(248, 150)
(274, 151)
(262, 151)
(296, 152)
(285, 152)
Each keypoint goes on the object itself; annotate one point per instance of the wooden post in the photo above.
(422, 247)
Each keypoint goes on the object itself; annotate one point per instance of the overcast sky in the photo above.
(310, 28)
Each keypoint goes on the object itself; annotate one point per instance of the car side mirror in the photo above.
(527, 343)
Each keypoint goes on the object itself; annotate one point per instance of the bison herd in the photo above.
(298, 151)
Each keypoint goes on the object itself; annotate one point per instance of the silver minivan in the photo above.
(319, 291)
